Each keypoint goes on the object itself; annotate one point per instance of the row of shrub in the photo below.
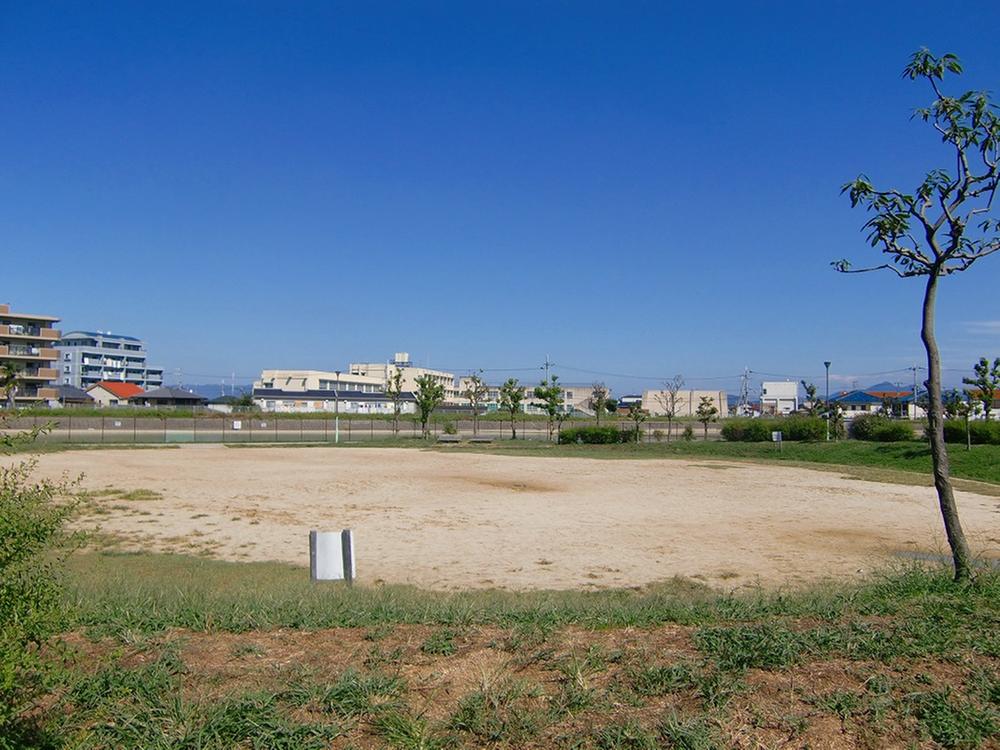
(796, 427)
(880, 429)
(596, 435)
(980, 432)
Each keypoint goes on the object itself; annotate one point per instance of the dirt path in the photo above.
(450, 521)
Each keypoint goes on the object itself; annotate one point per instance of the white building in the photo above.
(382, 371)
(324, 391)
(779, 397)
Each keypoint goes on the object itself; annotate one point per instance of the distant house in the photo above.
(885, 397)
(779, 397)
(168, 396)
(113, 392)
(854, 402)
(70, 395)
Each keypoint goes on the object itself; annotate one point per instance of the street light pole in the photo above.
(336, 410)
(828, 415)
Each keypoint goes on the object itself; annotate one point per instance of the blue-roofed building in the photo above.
(885, 397)
(89, 357)
(856, 401)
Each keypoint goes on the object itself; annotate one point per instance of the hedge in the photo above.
(880, 429)
(980, 432)
(595, 435)
(796, 427)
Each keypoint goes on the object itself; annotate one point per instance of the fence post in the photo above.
(326, 429)
(371, 428)
(301, 419)
(102, 429)
(70, 429)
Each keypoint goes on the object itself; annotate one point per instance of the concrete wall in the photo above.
(656, 402)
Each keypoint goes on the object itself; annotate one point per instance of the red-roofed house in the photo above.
(113, 392)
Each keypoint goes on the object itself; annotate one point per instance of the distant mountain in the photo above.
(215, 390)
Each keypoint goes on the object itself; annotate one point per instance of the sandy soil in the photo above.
(458, 520)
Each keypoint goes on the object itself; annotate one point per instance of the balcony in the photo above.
(23, 351)
(44, 374)
(21, 331)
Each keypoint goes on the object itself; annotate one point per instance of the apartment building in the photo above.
(27, 342)
(401, 361)
(324, 391)
(89, 357)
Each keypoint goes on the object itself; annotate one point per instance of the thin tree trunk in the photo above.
(939, 450)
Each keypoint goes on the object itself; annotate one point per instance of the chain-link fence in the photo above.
(230, 428)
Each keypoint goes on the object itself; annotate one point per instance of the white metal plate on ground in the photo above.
(331, 555)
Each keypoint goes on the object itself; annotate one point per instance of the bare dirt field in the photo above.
(461, 520)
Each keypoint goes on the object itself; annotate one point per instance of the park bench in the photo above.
(480, 440)
(449, 439)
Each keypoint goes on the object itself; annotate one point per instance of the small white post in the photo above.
(331, 556)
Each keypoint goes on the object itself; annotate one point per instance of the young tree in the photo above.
(511, 394)
(669, 398)
(638, 415)
(835, 413)
(611, 405)
(707, 412)
(549, 392)
(940, 229)
(814, 404)
(986, 383)
(475, 392)
(10, 378)
(394, 390)
(599, 400)
(429, 396)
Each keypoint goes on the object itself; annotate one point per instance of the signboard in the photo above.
(331, 555)
(237, 424)
(776, 437)
(117, 423)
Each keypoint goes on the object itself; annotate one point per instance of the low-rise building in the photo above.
(325, 391)
(88, 357)
(27, 342)
(113, 392)
(779, 397)
(168, 396)
(685, 402)
(70, 395)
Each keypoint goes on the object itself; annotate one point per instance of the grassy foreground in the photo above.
(178, 652)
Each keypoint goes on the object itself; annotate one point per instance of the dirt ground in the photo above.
(460, 520)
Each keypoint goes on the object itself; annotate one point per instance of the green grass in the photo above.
(891, 461)
(114, 593)
(189, 652)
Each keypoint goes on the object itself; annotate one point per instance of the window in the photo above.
(66, 356)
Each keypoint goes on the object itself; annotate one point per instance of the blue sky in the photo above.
(629, 188)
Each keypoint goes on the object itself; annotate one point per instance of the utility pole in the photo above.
(828, 415)
(547, 365)
(743, 407)
(336, 410)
